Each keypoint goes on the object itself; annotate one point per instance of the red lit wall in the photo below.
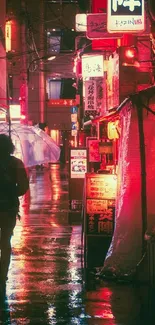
(2, 54)
(100, 6)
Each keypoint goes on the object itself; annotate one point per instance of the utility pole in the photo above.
(42, 86)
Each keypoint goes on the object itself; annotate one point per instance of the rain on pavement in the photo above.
(47, 282)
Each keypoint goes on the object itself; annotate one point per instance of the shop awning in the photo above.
(113, 113)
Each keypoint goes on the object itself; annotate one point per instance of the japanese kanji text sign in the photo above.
(90, 95)
(92, 66)
(125, 15)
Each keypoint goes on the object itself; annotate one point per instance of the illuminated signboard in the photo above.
(97, 27)
(15, 112)
(2, 115)
(101, 186)
(125, 16)
(100, 204)
(8, 36)
(92, 66)
(78, 163)
(81, 22)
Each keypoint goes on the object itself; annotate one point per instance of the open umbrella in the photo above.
(32, 145)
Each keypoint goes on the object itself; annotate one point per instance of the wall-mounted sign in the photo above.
(125, 16)
(15, 112)
(2, 115)
(74, 118)
(74, 110)
(8, 36)
(61, 102)
(81, 22)
(112, 82)
(78, 162)
(90, 95)
(97, 27)
(74, 133)
(92, 65)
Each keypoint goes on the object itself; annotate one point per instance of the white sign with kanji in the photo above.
(126, 16)
(92, 66)
(90, 95)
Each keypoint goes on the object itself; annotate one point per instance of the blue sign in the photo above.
(74, 109)
(74, 125)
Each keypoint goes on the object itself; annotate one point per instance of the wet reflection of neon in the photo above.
(54, 225)
(74, 276)
(51, 312)
(98, 304)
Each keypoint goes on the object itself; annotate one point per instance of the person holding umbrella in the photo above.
(14, 183)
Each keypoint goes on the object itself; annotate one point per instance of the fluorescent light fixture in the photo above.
(51, 58)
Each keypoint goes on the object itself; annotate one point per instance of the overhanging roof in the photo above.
(113, 113)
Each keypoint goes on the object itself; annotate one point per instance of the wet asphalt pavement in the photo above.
(47, 282)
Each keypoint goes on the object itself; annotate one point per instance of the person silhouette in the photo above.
(14, 183)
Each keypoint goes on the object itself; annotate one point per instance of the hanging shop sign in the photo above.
(99, 94)
(74, 118)
(90, 95)
(81, 22)
(125, 16)
(78, 162)
(8, 36)
(92, 66)
(112, 82)
(97, 27)
(61, 102)
(2, 115)
(15, 113)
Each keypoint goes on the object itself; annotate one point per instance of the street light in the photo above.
(48, 58)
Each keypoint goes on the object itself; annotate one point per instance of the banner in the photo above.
(90, 95)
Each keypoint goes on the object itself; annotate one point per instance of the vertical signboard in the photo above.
(8, 36)
(77, 168)
(125, 16)
(90, 95)
(112, 82)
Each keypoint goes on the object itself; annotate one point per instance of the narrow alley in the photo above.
(47, 282)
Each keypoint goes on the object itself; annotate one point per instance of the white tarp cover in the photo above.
(125, 250)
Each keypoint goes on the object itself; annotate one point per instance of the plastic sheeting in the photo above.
(32, 145)
(125, 250)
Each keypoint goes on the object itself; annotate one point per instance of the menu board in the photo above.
(100, 186)
(101, 223)
(78, 162)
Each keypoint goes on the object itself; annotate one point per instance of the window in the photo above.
(61, 89)
(61, 40)
(54, 89)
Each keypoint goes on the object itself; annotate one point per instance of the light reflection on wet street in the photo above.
(47, 283)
